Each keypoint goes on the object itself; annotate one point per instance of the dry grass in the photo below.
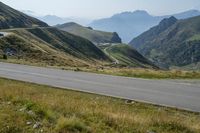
(22, 105)
(149, 73)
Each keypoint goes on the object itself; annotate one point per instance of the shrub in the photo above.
(5, 57)
(71, 125)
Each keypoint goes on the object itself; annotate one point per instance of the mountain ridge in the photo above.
(11, 18)
(175, 45)
(131, 24)
(94, 36)
(49, 46)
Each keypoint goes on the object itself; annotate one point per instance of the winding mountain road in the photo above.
(116, 61)
(180, 94)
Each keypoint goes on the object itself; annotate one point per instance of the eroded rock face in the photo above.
(116, 38)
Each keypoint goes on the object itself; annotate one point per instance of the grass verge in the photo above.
(26, 107)
(149, 73)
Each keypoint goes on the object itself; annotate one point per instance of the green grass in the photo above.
(15, 19)
(63, 111)
(126, 56)
(195, 38)
(94, 36)
(149, 73)
(52, 47)
(175, 43)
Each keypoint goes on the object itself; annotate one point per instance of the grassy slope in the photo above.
(90, 34)
(127, 56)
(52, 47)
(63, 111)
(178, 45)
(11, 18)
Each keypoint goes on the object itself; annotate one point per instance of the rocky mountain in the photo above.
(11, 18)
(171, 43)
(131, 24)
(153, 32)
(94, 36)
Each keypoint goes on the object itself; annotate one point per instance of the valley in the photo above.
(133, 72)
(126, 56)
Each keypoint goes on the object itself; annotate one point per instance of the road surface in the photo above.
(180, 94)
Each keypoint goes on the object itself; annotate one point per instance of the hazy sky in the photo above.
(102, 8)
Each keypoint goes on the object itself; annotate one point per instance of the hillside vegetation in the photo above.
(148, 73)
(171, 43)
(126, 55)
(27, 40)
(34, 108)
(11, 18)
(50, 46)
(90, 34)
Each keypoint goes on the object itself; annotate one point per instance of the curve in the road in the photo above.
(162, 92)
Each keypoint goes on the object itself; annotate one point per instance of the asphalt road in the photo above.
(180, 94)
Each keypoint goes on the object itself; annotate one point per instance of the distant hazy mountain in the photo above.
(11, 18)
(90, 34)
(55, 20)
(187, 14)
(171, 43)
(31, 13)
(52, 19)
(130, 24)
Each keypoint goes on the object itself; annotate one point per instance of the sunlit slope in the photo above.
(52, 46)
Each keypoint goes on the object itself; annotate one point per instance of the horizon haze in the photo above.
(91, 9)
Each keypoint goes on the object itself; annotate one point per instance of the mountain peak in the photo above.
(140, 12)
(71, 23)
(136, 13)
(168, 21)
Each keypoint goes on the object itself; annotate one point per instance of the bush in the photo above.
(5, 57)
(72, 125)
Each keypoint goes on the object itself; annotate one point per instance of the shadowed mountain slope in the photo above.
(172, 43)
